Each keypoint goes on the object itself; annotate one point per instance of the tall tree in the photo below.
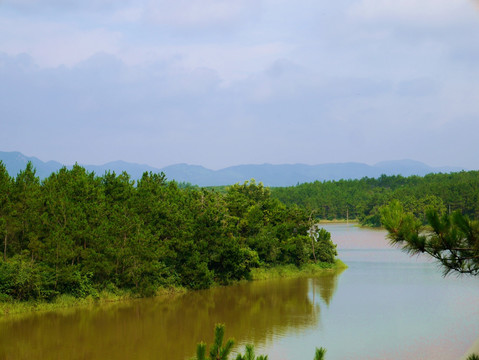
(6, 208)
(27, 202)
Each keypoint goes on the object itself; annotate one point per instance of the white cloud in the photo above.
(199, 13)
(45, 6)
(53, 44)
(425, 12)
(231, 61)
(291, 80)
(123, 15)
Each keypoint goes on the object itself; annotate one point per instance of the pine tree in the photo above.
(6, 210)
(249, 354)
(320, 353)
(218, 351)
(452, 239)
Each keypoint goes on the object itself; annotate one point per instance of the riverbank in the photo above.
(340, 221)
(351, 223)
(287, 271)
(67, 301)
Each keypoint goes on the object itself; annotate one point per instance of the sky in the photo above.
(226, 82)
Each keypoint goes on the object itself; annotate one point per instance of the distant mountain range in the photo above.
(268, 174)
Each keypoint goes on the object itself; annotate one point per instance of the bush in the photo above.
(20, 278)
(325, 249)
(296, 250)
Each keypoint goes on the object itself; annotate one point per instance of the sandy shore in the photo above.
(474, 349)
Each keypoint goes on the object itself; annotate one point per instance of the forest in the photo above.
(77, 233)
(362, 199)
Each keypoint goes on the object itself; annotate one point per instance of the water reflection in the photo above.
(325, 286)
(255, 312)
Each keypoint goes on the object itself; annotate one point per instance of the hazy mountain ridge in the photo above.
(269, 174)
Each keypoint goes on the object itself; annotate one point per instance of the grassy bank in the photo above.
(67, 301)
(283, 271)
(339, 221)
(353, 222)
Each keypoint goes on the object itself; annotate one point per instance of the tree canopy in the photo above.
(78, 233)
(361, 199)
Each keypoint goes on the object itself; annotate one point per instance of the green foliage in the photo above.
(250, 355)
(452, 239)
(362, 199)
(296, 250)
(19, 278)
(473, 357)
(278, 234)
(233, 262)
(78, 234)
(324, 248)
(320, 354)
(218, 351)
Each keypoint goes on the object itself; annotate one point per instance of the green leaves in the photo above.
(218, 351)
(402, 226)
(320, 354)
(84, 233)
(201, 351)
(453, 239)
(361, 199)
(249, 354)
(324, 248)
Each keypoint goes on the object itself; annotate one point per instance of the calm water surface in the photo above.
(386, 305)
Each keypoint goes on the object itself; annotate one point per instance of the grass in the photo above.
(60, 302)
(284, 271)
(66, 301)
(339, 221)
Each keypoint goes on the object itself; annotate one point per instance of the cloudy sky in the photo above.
(226, 82)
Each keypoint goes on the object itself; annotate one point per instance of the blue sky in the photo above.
(226, 82)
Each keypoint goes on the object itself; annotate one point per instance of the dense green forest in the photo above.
(77, 233)
(362, 199)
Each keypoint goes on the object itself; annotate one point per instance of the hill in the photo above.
(269, 174)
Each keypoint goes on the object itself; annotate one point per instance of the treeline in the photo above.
(77, 233)
(361, 199)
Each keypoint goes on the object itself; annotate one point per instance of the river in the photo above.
(386, 305)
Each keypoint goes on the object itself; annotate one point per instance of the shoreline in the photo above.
(339, 221)
(68, 302)
(65, 302)
(353, 222)
(285, 271)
